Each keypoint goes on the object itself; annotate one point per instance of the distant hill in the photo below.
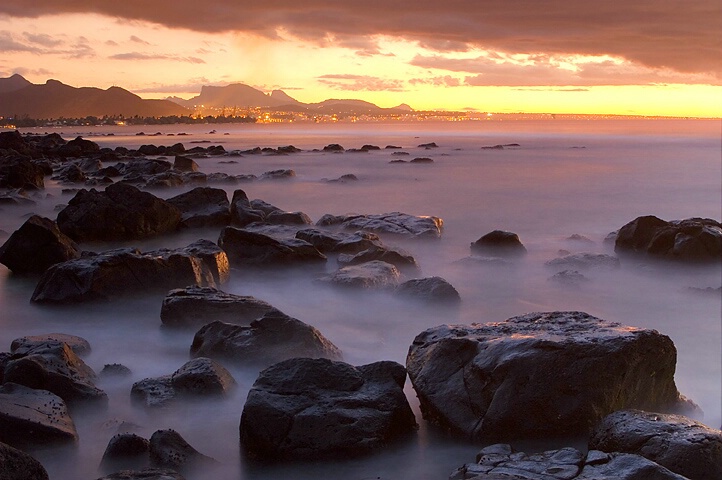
(19, 98)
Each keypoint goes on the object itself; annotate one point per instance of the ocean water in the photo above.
(566, 177)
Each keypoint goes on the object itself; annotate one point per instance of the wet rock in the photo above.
(270, 339)
(126, 451)
(196, 306)
(347, 178)
(584, 261)
(339, 242)
(20, 172)
(53, 366)
(213, 257)
(395, 223)
(281, 174)
(566, 370)
(185, 164)
(242, 213)
(203, 207)
(18, 465)
(428, 145)
(694, 240)
(168, 449)
(30, 417)
(333, 147)
(434, 290)
(304, 409)
(115, 370)
(121, 212)
(124, 271)
(370, 275)
(499, 243)
(142, 167)
(422, 160)
(679, 443)
(70, 173)
(23, 345)
(249, 248)
(398, 257)
(37, 245)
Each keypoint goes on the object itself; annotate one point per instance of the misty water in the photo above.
(566, 177)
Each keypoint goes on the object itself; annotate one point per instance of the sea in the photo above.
(554, 179)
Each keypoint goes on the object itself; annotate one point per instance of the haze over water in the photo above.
(572, 177)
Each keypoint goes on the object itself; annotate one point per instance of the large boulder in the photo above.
(203, 207)
(250, 248)
(398, 257)
(23, 345)
(125, 451)
(121, 272)
(697, 240)
(242, 213)
(37, 245)
(121, 212)
(18, 465)
(499, 243)
(539, 375)
(306, 408)
(369, 276)
(30, 417)
(196, 306)
(213, 257)
(394, 223)
(339, 242)
(168, 449)
(679, 443)
(270, 339)
(20, 172)
(433, 290)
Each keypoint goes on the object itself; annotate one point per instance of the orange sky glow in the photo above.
(641, 58)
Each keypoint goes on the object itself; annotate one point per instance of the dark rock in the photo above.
(584, 261)
(333, 147)
(168, 449)
(570, 278)
(121, 212)
(196, 306)
(153, 392)
(37, 245)
(432, 290)
(679, 443)
(165, 180)
(288, 218)
(541, 374)
(278, 174)
(54, 367)
(249, 248)
(370, 147)
(395, 223)
(349, 177)
(144, 474)
(428, 145)
(242, 213)
(21, 172)
(270, 339)
(143, 167)
(212, 256)
(305, 409)
(70, 174)
(339, 242)
(86, 146)
(422, 160)
(185, 164)
(499, 243)
(18, 465)
(575, 237)
(30, 417)
(694, 240)
(22, 345)
(126, 451)
(203, 207)
(15, 197)
(398, 257)
(370, 275)
(115, 370)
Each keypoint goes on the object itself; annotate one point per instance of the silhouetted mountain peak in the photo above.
(13, 83)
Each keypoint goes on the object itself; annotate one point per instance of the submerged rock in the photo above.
(584, 261)
(539, 375)
(306, 408)
(499, 243)
(369, 275)
(37, 245)
(394, 223)
(434, 290)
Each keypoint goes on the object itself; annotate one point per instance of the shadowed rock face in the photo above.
(18, 465)
(203, 207)
(499, 243)
(256, 249)
(429, 290)
(37, 245)
(541, 374)
(369, 276)
(306, 408)
(679, 443)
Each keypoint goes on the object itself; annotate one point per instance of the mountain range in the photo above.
(21, 98)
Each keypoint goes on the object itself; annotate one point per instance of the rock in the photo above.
(242, 213)
(306, 408)
(23, 345)
(20, 172)
(185, 164)
(281, 174)
(339, 242)
(422, 160)
(124, 271)
(622, 466)
(196, 306)
(333, 147)
(30, 417)
(126, 451)
(15, 197)
(121, 212)
(370, 275)
(168, 449)
(428, 145)
(395, 256)
(212, 256)
(569, 278)
(37, 245)
(694, 240)
(18, 465)
(270, 339)
(499, 243)
(249, 248)
(347, 178)
(203, 207)
(395, 223)
(434, 290)
(539, 375)
(53, 366)
(145, 474)
(200, 376)
(70, 173)
(584, 261)
(288, 218)
(115, 370)
(679, 443)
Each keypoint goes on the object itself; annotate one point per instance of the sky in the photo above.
(632, 57)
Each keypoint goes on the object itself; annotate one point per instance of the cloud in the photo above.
(441, 81)
(155, 56)
(32, 71)
(193, 85)
(136, 39)
(677, 35)
(8, 44)
(42, 39)
(360, 83)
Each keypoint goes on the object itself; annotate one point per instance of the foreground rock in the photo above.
(679, 443)
(145, 474)
(394, 223)
(30, 417)
(121, 212)
(256, 249)
(168, 449)
(196, 306)
(304, 409)
(501, 462)
(18, 465)
(125, 271)
(23, 345)
(434, 290)
(20, 172)
(369, 276)
(566, 370)
(37, 245)
(198, 377)
(499, 243)
(696, 240)
(270, 339)
(203, 207)
(126, 451)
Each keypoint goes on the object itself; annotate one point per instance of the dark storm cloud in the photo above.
(678, 34)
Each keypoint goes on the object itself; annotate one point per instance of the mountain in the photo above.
(55, 99)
